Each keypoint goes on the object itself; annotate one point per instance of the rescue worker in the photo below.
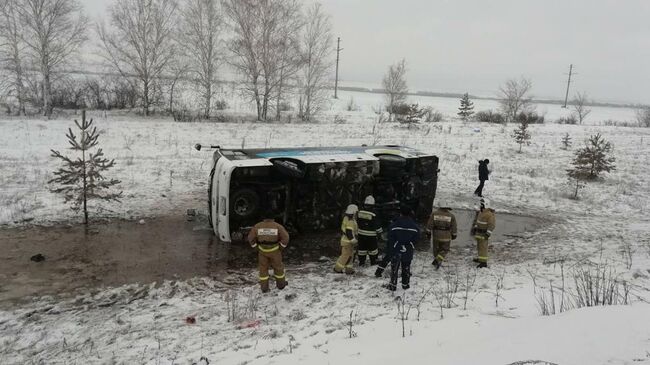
(442, 229)
(349, 233)
(270, 238)
(482, 229)
(403, 233)
(369, 231)
(483, 175)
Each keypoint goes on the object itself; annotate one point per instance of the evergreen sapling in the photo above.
(466, 107)
(81, 179)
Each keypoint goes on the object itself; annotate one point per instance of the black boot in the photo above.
(379, 272)
(476, 260)
(436, 264)
(482, 265)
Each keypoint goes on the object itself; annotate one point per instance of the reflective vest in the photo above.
(442, 225)
(349, 227)
(368, 223)
(484, 224)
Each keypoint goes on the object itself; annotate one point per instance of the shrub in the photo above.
(433, 116)
(352, 106)
(529, 117)
(221, 104)
(571, 119)
(643, 117)
(285, 107)
(400, 110)
(488, 116)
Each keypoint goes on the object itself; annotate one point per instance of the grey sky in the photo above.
(474, 45)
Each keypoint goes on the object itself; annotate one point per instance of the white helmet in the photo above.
(370, 200)
(351, 209)
(443, 204)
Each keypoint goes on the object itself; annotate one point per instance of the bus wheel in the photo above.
(391, 165)
(245, 203)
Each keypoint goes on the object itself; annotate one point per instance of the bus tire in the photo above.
(245, 203)
(391, 165)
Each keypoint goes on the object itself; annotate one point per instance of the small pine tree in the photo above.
(566, 142)
(590, 161)
(466, 107)
(593, 159)
(413, 114)
(81, 179)
(521, 134)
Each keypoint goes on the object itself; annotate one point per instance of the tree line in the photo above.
(279, 49)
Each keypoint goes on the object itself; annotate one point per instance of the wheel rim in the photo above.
(241, 206)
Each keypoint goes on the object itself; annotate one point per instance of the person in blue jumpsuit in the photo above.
(403, 233)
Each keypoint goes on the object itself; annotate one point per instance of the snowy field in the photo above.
(322, 318)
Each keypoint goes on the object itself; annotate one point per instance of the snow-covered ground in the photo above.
(496, 320)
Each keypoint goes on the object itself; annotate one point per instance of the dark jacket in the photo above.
(369, 224)
(483, 172)
(403, 233)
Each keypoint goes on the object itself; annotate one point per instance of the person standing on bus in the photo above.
(270, 238)
(349, 234)
(369, 231)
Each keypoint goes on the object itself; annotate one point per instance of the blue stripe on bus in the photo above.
(309, 153)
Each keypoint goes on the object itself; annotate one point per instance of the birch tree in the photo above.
(12, 51)
(514, 97)
(200, 36)
(53, 31)
(395, 87)
(316, 43)
(580, 106)
(261, 30)
(138, 43)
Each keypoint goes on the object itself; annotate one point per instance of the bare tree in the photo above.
(139, 42)
(53, 30)
(515, 97)
(259, 46)
(12, 51)
(395, 87)
(200, 35)
(643, 116)
(580, 106)
(291, 57)
(317, 49)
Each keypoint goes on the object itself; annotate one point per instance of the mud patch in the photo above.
(165, 248)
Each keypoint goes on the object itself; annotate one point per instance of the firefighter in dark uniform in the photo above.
(442, 228)
(369, 231)
(269, 238)
(403, 233)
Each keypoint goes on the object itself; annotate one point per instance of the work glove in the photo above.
(488, 234)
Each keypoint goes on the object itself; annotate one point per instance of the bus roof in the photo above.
(308, 153)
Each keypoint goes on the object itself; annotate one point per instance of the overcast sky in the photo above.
(475, 45)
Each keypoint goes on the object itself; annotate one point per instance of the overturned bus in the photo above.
(307, 189)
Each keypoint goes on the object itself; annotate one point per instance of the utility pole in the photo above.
(566, 97)
(336, 81)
